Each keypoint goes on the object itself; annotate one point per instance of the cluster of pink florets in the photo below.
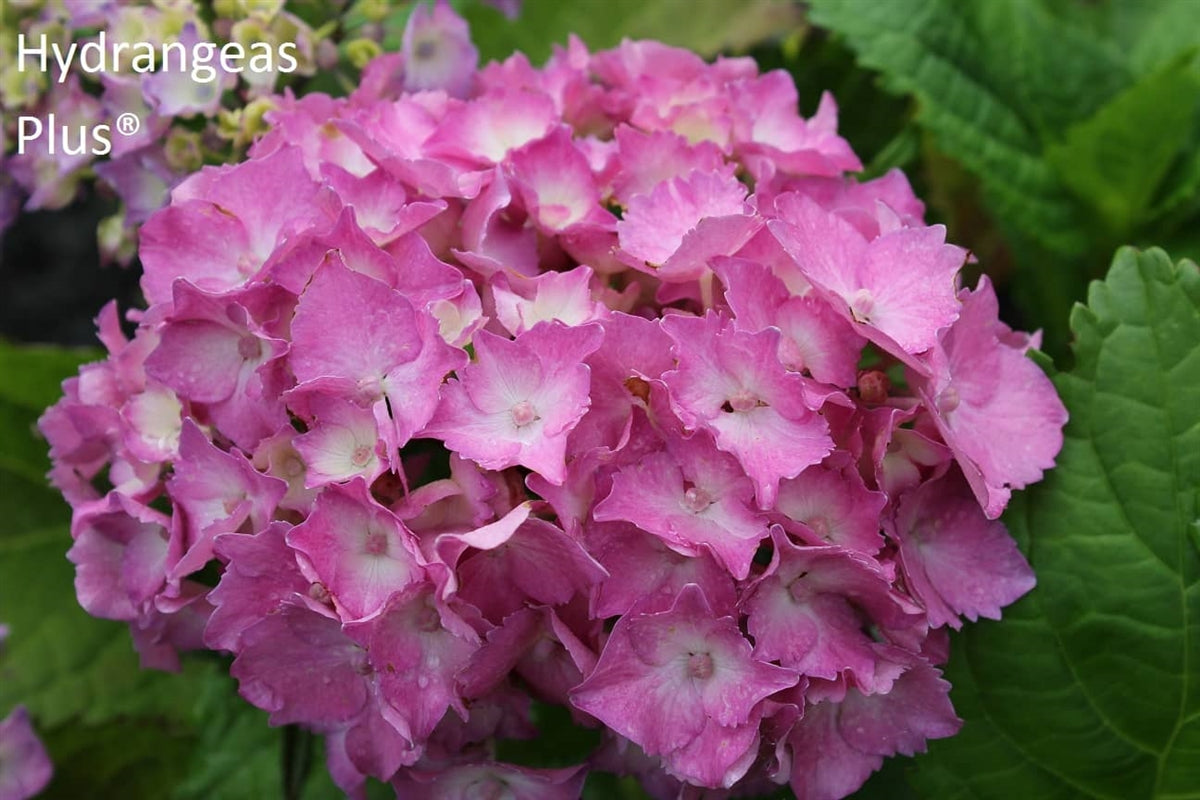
(600, 384)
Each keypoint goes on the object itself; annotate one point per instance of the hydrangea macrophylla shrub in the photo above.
(602, 384)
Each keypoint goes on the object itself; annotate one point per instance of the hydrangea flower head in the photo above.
(602, 384)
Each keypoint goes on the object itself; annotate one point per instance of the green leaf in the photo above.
(889, 783)
(986, 108)
(606, 786)
(130, 758)
(1116, 159)
(705, 26)
(1090, 688)
(26, 500)
(30, 379)
(34, 373)
(1152, 34)
(63, 664)
(1076, 120)
(237, 754)
(1169, 28)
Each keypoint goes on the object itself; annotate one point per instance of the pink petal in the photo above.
(655, 224)
(994, 406)
(955, 559)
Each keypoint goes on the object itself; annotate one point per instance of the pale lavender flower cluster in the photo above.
(600, 384)
(189, 115)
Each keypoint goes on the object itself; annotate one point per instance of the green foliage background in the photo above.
(1045, 134)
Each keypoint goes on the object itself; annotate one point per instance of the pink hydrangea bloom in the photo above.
(683, 684)
(216, 492)
(350, 326)
(536, 645)
(556, 184)
(834, 506)
(217, 233)
(120, 555)
(417, 649)
(358, 550)
(485, 387)
(262, 577)
(898, 289)
(694, 498)
(682, 222)
(809, 609)
(731, 384)
(813, 337)
(517, 403)
(644, 571)
(771, 137)
(837, 745)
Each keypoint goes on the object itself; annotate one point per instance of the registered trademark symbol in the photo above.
(128, 124)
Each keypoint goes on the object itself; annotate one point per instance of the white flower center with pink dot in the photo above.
(523, 413)
(700, 666)
(948, 400)
(361, 456)
(250, 348)
(376, 543)
(862, 304)
(696, 500)
(743, 401)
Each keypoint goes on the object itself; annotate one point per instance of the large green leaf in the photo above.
(127, 758)
(237, 755)
(34, 373)
(1090, 688)
(1150, 33)
(111, 728)
(1104, 89)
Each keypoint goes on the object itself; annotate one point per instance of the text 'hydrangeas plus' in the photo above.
(602, 384)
